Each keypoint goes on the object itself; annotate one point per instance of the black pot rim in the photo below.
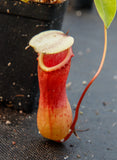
(35, 10)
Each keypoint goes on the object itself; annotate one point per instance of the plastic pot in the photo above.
(18, 67)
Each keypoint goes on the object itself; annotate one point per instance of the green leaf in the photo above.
(106, 10)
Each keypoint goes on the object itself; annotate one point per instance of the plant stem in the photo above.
(72, 129)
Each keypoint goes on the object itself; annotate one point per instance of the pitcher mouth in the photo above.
(45, 68)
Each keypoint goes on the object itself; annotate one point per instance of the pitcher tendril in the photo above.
(72, 129)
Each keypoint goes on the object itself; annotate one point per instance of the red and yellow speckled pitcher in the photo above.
(54, 117)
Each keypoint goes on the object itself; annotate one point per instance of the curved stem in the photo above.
(49, 69)
(87, 87)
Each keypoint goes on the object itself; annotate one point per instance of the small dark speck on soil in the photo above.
(71, 145)
(109, 149)
(104, 103)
